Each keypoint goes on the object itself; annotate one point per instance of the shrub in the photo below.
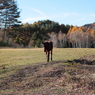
(64, 46)
(3, 43)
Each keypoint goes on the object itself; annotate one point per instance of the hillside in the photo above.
(91, 26)
(72, 77)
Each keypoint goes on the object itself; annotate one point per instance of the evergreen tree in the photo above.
(9, 15)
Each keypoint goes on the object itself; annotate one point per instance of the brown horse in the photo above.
(48, 47)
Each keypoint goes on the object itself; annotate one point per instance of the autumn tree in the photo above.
(79, 37)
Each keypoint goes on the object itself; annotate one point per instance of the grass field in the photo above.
(24, 70)
(14, 57)
(11, 57)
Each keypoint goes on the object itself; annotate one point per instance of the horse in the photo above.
(48, 48)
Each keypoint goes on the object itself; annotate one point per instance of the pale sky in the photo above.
(72, 12)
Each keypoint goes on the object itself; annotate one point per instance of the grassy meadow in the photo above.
(14, 57)
(24, 71)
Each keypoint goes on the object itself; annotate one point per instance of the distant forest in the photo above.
(15, 34)
(32, 35)
(63, 36)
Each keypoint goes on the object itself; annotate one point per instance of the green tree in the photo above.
(38, 42)
(36, 37)
(21, 34)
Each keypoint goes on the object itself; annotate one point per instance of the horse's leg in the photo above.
(48, 53)
(51, 55)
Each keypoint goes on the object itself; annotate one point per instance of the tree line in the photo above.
(77, 37)
(34, 34)
(66, 36)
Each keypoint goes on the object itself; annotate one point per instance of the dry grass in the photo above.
(54, 78)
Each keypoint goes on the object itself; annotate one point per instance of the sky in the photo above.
(72, 12)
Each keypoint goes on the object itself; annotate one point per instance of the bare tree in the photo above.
(60, 39)
(64, 40)
(53, 38)
(93, 38)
